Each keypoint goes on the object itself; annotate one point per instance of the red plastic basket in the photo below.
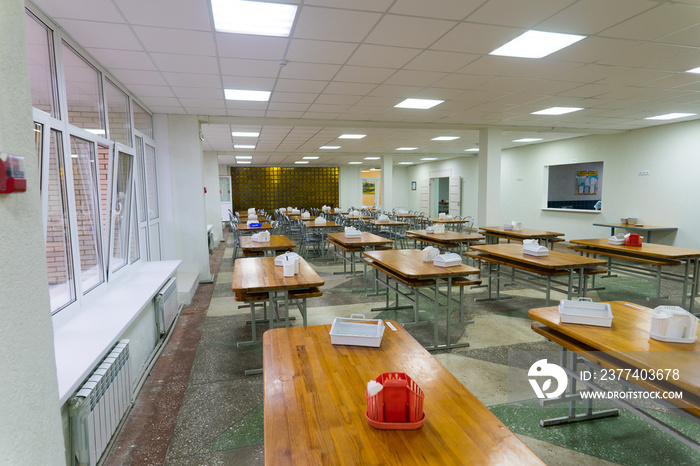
(399, 405)
(633, 240)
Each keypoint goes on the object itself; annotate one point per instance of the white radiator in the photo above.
(166, 305)
(98, 406)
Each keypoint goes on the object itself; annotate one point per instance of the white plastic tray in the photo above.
(357, 331)
(585, 311)
(671, 339)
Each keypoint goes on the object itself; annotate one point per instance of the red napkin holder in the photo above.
(633, 240)
(399, 405)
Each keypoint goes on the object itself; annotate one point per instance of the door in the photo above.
(424, 195)
(225, 196)
(455, 196)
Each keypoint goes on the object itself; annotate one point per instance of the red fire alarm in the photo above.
(12, 173)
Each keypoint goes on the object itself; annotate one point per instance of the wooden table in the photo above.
(243, 227)
(449, 239)
(657, 255)
(634, 227)
(315, 406)
(555, 264)
(298, 217)
(624, 345)
(494, 233)
(328, 224)
(276, 243)
(353, 246)
(406, 267)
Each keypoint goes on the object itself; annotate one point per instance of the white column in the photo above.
(30, 426)
(350, 186)
(488, 212)
(212, 196)
(387, 183)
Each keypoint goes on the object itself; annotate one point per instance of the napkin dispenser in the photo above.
(517, 225)
(508, 226)
(533, 248)
(403, 211)
(326, 208)
(261, 237)
(252, 216)
(673, 324)
(439, 229)
(633, 239)
(305, 215)
(337, 210)
(296, 211)
(253, 224)
(383, 218)
(283, 210)
(354, 214)
(617, 239)
(430, 253)
(352, 232)
(430, 229)
(290, 209)
(289, 261)
(441, 215)
(449, 259)
(448, 217)
(320, 221)
(251, 211)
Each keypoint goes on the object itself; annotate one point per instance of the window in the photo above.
(118, 114)
(121, 210)
(575, 186)
(58, 239)
(85, 187)
(40, 58)
(143, 121)
(83, 92)
(151, 183)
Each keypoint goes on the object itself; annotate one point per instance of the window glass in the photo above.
(151, 183)
(134, 251)
(140, 184)
(58, 252)
(103, 173)
(83, 93)
(118, 114)
(41, 66)
(143, 121)
(121, 213)
(38, 147)
(87, 212)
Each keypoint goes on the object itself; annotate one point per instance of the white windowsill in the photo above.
(85, 339)
(583, 211)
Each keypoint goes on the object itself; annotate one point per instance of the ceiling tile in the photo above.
(520, 14)
(122, 59)
(403, 31)
(183, 14)
(151, 91)
(90, 10)
(434, 60)
(255, 47)
(363, 74)
(382, 56)
(336, 87)
(662, 20)
(101, 35)
(592, 16)
(319, 51)
(193, 80)
(593, 49)
(445, 9)
(176, 62)
(247, 67)
(415, 78)
(129, 77)
(297, 70)
(248, 82)
(299, 85)
(476, 38)
(176, 40)
(368, 5)
(333, 25)
(644, 54)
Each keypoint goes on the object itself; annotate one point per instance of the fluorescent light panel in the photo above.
(445, 138)
(670, 116)
(301, 161)
(405, 163)
(373, 158)
(429, 158)
(329, 147)
(243, 146)
(351, 136)
(354, 163)
(420, 104)
(243, 162)
(694, 70)
(243, 94)
(406, 148)
(243, 157)
(473, 149)
(245, 134)
(536, 44)
(309, 157)
(557, 111)
(527, 140)
(257, 18)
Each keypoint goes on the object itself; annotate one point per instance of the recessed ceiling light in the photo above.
(473, 149)
(694, 70)
(242, 94)
(670, 116)
(536, 44)
(429, 158)
(445, 138)
(557, 111)
(405, 163)
(243, 157)
(527, 140)
(351, 136)
(354, 163)
(243, 146)
(258, 18)
(406, 148)
(421, 104)
(301, 161)
(329, 147)
(310, 157)
(373, 158)
(241, 162)
(245, 134)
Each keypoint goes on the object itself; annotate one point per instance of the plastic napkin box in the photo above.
(449, 259)
(585, 311)
(357, 331)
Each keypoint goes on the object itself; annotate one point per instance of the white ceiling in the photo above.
(348, 62)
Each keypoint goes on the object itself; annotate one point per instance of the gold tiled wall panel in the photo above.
(272, 187)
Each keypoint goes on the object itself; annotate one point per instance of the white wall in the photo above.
(465, 166)
(401, 186)
(350, 186)
(667, 197)
(30, 430)
(212, 198)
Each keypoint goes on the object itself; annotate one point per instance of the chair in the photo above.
(307, 238)
(468, 225)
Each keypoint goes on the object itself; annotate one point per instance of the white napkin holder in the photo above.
(261, 237)
(383, 218)
(326, 208)
(439, 229)
(283, 210)
(430, 229)
(296, 211)
(517, 225)
(251, 211)
(448, 217)
(508, 226)
(290, 209)
(449, 259)
(337, 210)
(252, 216)
(673, 324)
(354, 214)
(357, 331)
(617, 239)
(305, 215)
(287, 260)
(585, 311)
(533, 248)
(250, 222)
(403, 211)
(441, 215)
(352, 232)
(320, 221)
(430, 253)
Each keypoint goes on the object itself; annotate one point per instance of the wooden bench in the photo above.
(302, 295)
(433, 242)
(464, 281)
(553, 241)
(515, 265)
(250, 299)
(345, 248)
(641, 260)
(253, 253)
(410, 283)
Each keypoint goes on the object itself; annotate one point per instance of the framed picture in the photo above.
(413, 185)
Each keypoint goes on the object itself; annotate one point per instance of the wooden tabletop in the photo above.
(329, 224)
(261, 274)
(276, 242)
(406, 215)
(660, 251)
(628, 340)
(366, 239)
(442, 220)
(245, 227)
(448, 236)
(387, 222)
(409, 263)
(315, 406)
(634, 226)
(298, 217)
(525, 233)
(554, 260)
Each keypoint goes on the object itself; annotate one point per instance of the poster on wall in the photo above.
(586, 183)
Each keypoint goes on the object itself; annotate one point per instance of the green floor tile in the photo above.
(625, 288)
(246, 432)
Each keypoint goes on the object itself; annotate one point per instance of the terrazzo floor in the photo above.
(198, 408)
